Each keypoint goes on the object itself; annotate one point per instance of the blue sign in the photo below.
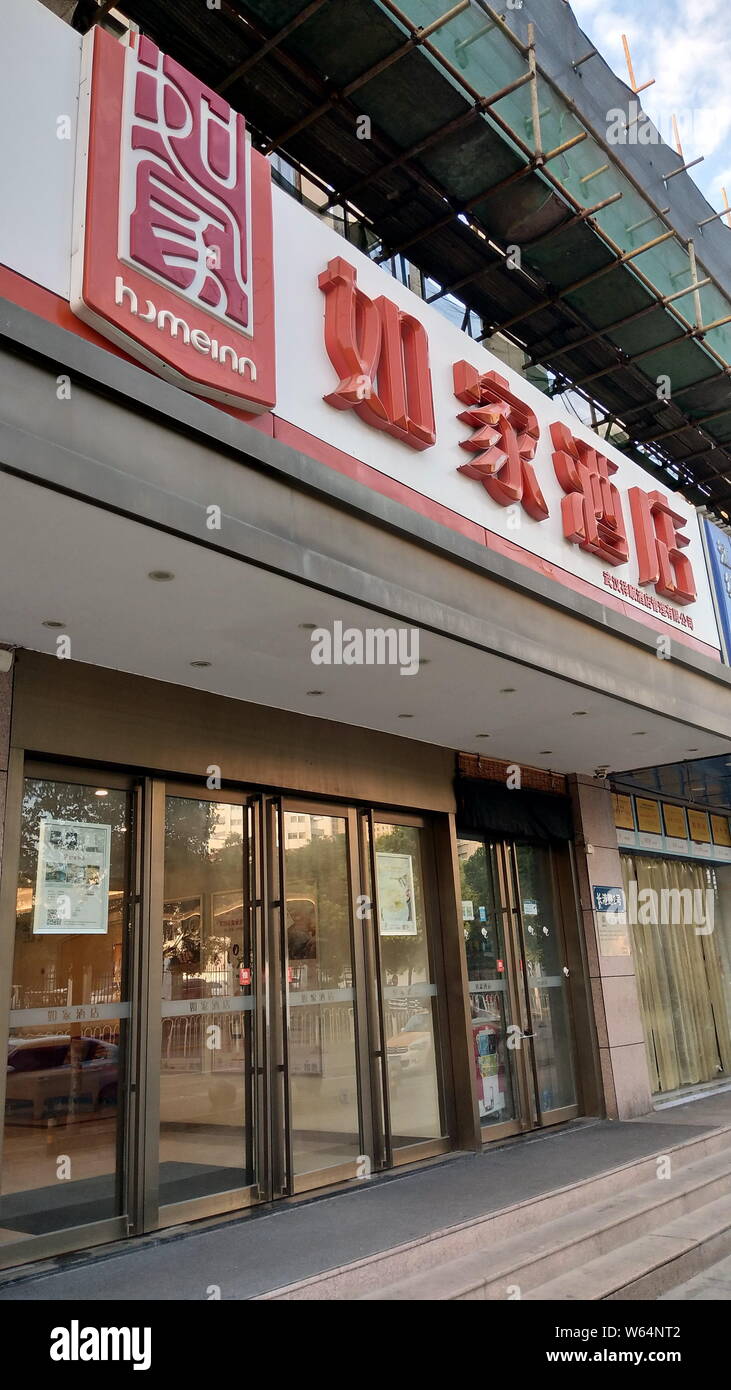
(719, 553)
(608, 899)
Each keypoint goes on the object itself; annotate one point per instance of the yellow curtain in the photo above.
(682, 977)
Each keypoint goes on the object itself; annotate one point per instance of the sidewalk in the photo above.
(270, 1247)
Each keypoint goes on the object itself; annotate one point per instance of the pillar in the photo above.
(624, 1074)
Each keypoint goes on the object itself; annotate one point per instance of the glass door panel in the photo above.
(489, 981)
(408, 987)
(546, 980)
(324, 1124)
(70, 1011)
(206, 1141)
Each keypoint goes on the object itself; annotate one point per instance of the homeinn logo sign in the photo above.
(173, 251)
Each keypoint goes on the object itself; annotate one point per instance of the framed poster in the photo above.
(720, 831)
(700, 830)
(396, 905)
(648, 815)
(675, 822)
(72, 878)
(623, 814)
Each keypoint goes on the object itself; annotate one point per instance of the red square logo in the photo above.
(173, 255)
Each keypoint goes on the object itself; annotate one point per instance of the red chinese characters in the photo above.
(591, 510)
(660, 546)
(505, 440)
(188, 187)
(381, 355)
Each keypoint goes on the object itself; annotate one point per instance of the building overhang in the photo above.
(112, 484)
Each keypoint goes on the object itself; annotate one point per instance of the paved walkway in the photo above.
(269, 1247)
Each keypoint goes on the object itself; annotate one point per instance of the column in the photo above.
(620, 1036)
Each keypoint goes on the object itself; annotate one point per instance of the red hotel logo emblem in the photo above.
(174, 257)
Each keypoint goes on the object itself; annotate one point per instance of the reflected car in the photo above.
(409, 1050)
(43, 1085)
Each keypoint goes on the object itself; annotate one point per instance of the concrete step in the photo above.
(512, 1268)
(648, 1267)
(487, 1237)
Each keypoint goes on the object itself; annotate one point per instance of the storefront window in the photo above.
(679, 914)
(69, 1011)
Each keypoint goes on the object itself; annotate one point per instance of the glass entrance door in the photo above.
(518, 985)
(216, 999)
(206, 1136)
(68, 1106)
(297, 1007)
(324, 1101)
(545, 979)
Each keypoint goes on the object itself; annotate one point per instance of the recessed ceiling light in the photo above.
(545, 752)
(200, 663)
(53, 622)
(482, 735)
(576, 712)
(508, 690)
(308, 627)
(161, 576)
(639, 733)
(692, 750)
(406, 716)
(315, 692)
(101, 791)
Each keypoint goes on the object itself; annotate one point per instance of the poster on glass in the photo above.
(72, 879)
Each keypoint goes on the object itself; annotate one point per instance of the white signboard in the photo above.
(72, 879)
(41, 79)
(396, 906)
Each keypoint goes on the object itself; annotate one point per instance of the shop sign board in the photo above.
(173, 224)
(180, 251)
(718, 549)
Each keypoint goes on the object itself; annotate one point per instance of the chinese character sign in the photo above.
(173, 225)
(591, 511)
(660, 545)
(504, 441)
(381, 355)
(186, 205)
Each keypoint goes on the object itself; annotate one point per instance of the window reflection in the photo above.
(408, 987)
(69, 1010)
(321, 998)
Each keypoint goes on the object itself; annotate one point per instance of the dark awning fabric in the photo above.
(493, 809)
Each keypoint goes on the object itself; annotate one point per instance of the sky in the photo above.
(686, 46)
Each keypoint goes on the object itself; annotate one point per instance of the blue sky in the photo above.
(686, 46)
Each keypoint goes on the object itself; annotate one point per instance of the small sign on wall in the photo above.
(611, 918)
